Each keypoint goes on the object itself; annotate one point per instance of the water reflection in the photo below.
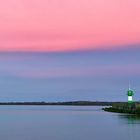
(130, 119)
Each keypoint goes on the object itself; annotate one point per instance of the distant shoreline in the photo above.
(69, 103)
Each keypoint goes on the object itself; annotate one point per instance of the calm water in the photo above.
(65, 123)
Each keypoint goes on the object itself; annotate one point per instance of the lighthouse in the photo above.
(130, 95)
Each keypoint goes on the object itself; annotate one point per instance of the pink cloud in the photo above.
(42, 25)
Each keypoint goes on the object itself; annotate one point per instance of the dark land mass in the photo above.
(70, 103)
(129, 108)
(118, 107)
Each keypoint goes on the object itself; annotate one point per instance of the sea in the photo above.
(66, 123)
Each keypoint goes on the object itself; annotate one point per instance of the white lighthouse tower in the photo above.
(130, 95)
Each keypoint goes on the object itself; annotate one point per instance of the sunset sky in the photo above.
(69, 49)
(101, 75)
(63, 25)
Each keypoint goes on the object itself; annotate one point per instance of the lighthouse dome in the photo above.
(130, 92)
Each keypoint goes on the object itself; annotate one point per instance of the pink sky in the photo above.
(58, 25)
